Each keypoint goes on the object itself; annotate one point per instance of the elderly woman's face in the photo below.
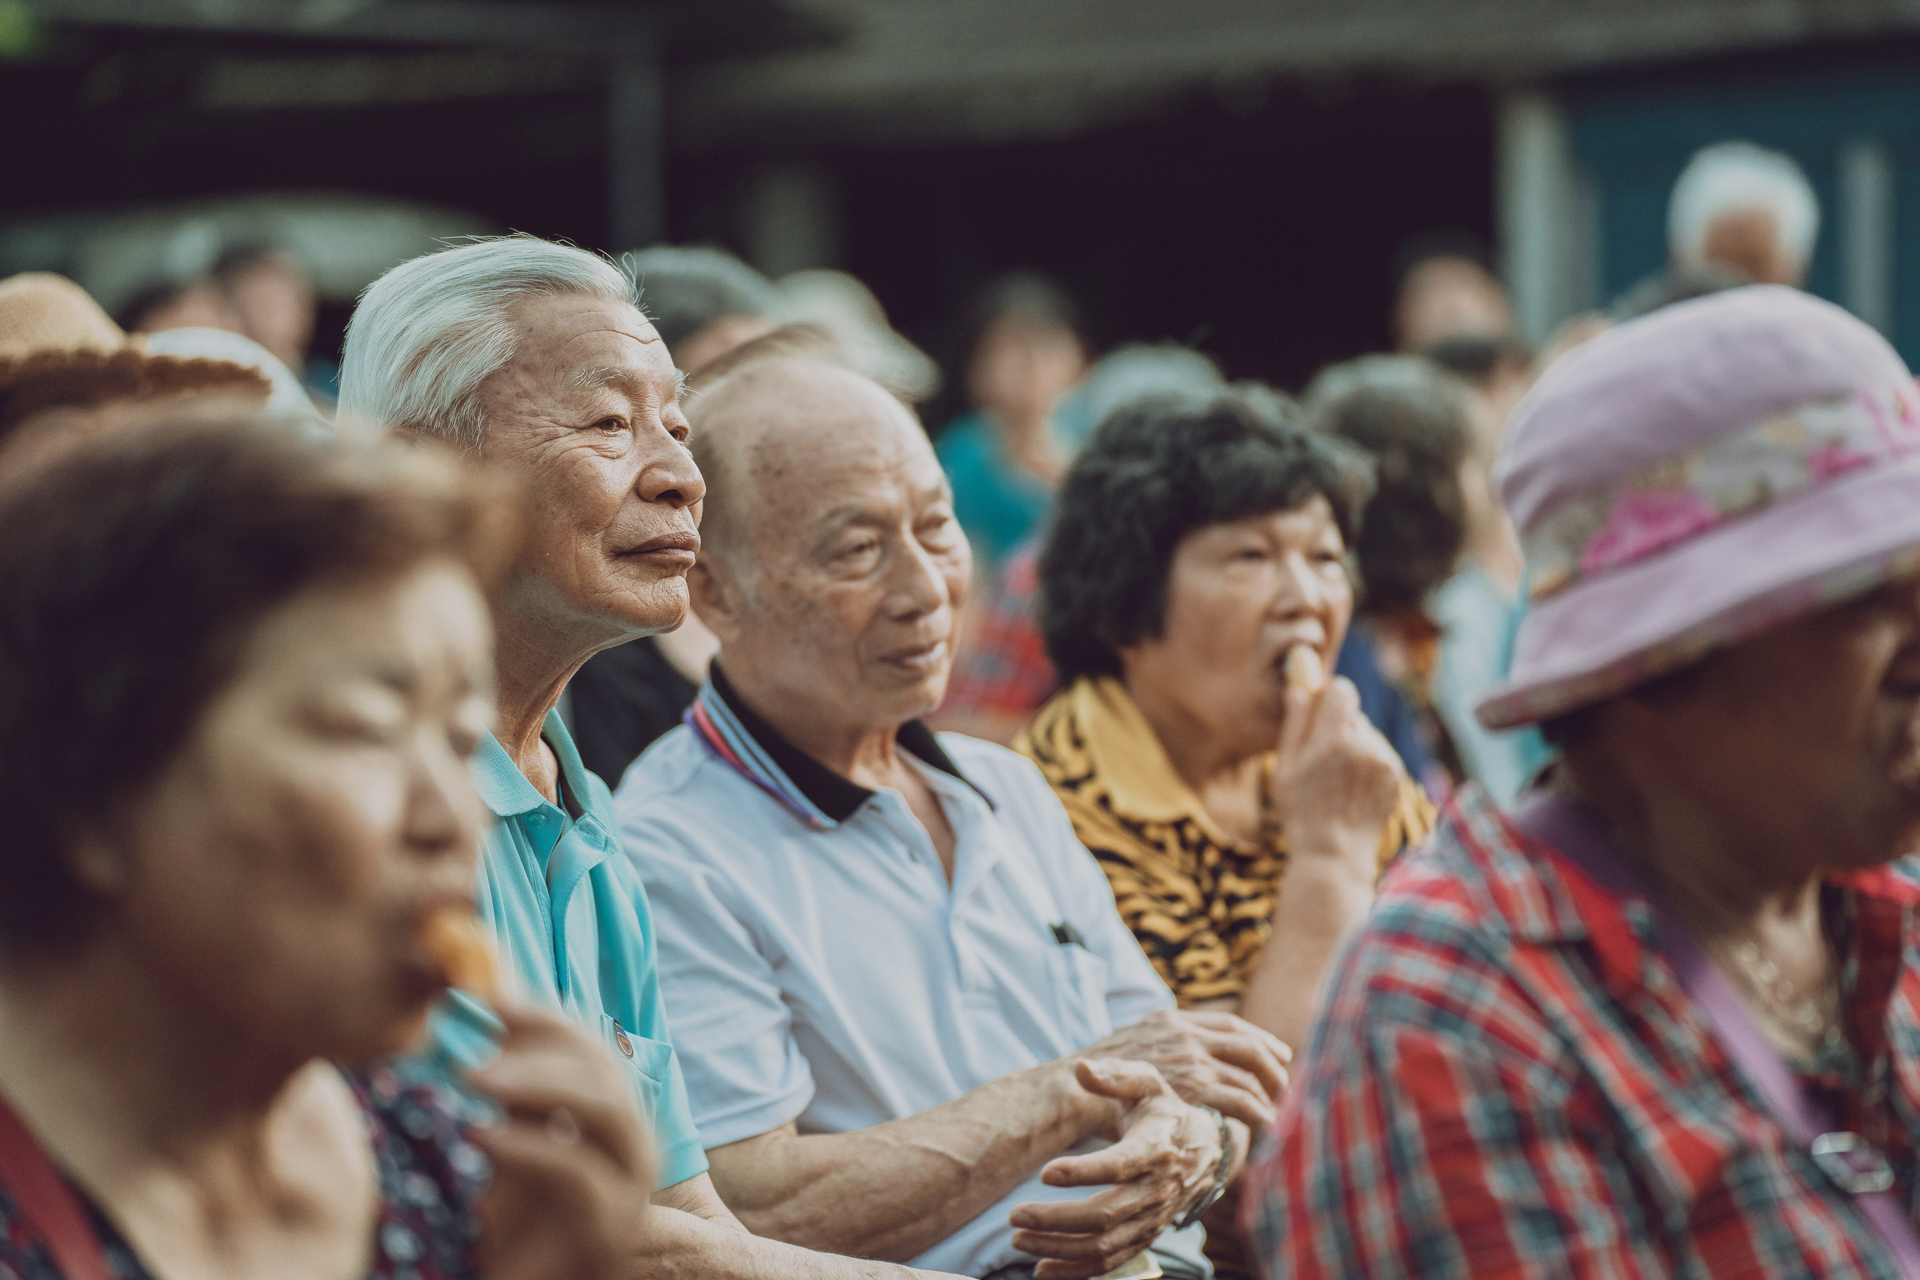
(279, 870)
(1239, 595)
(1808, 736)
(586, 415)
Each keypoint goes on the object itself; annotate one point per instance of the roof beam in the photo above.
(400, 21)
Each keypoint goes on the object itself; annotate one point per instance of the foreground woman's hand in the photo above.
(1165, 1156)
(1336, 780)
(573, 1164)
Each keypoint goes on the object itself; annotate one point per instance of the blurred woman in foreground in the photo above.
(240, 676)
(1665, 1020)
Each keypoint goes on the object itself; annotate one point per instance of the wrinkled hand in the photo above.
(1210, 1059)
(1336, 781)
(1166, 1156)
(573, 1163)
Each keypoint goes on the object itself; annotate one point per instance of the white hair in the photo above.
(426, 334)
(1735, 177)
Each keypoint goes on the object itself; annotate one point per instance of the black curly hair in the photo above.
(1155, 471)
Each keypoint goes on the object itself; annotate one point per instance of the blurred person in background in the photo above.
(1241, 820)
(243, 673)
(1001, 672)
(703, 301)
(865, 341)
(1743, 209)
(273, 300)
(198, 303)
(533, 358)
(705, 304)
(1444, 291)
(1007, 457)
(1660, 1019)
(896, 973)
(1675, 284)
(1414, 420)
(1479, 609)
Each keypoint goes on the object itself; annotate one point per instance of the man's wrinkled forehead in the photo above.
(571, 330)
(851, 468)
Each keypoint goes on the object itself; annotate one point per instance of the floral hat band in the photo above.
(1679, 498)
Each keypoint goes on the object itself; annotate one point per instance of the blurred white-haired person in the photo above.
(534, 358)
(1743, 208)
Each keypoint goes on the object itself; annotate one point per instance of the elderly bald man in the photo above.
(894, 972)
(533, 357)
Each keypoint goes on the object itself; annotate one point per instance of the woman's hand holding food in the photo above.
(573, 1163)
(1336, 780)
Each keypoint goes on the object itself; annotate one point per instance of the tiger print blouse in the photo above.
(1198, 900)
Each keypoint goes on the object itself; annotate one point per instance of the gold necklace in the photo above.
(1810, 1022)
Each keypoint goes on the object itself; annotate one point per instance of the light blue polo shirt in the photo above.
(821, 969)
(570, 918)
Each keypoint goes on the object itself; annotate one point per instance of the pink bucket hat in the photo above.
(1698, 476)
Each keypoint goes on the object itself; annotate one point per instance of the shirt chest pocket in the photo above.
(648, 1064)
(1079, 979)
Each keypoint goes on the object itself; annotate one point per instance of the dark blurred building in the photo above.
(1237, 174)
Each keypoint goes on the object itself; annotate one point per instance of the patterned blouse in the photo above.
(1198, 900)
(430, 1178)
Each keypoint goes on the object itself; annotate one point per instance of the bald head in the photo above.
(832, 566)
(784, 429)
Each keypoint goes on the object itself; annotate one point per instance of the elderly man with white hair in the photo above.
(911, 1014)
(532, 357)
(1745, 209)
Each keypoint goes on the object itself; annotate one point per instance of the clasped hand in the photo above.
(1166, 1154)
(1161, 1071)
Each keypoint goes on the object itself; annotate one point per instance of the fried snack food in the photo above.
(454, 940)
(1304, 670)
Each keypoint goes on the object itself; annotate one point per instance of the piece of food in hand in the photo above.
(1304, 669)
(453, 938)
(1141, 1266)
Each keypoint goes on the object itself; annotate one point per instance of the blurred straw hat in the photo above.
(40, 311)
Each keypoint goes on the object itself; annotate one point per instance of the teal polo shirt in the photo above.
(570, 918)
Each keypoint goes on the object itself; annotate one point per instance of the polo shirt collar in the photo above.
(505, 790)
(746, 743)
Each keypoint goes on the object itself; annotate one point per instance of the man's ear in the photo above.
(714, 599)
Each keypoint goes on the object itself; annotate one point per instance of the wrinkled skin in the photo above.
(586, 417)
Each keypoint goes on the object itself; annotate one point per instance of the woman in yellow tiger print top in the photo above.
(1241, 816)
(1197, 544)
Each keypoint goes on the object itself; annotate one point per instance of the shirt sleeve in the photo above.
(744, 1072)
(1411, 1151)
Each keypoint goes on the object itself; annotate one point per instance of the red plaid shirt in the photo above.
(1509, 1082)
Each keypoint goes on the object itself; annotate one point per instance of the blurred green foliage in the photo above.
(20, 32)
